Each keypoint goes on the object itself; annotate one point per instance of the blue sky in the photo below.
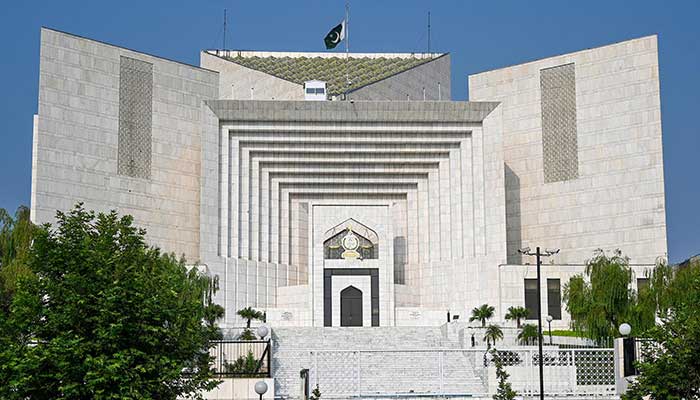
(480, 35)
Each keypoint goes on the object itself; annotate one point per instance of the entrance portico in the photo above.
(337, 281)
(353, 268)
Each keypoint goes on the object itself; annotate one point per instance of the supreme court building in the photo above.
(334, 191)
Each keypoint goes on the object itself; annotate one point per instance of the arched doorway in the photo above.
(351, 306)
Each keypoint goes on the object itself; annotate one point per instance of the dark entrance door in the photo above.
(351, 307)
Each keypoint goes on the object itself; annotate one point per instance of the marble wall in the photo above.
(76, 140)
(617, 198)
(436, 167)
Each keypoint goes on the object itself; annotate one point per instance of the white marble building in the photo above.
(386, 205)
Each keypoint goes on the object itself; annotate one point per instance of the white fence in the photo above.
(454, 372)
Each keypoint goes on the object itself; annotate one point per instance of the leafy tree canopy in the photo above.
(528, 334)
(103, 316)
(517, 314)
(670, 365)
(482, 313)
(493, 334)
(16, 236)
(250, 314)
(602, 300)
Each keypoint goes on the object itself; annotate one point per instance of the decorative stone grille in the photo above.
(135, 117)
(446, 372)
(559, 141)
(344, 377)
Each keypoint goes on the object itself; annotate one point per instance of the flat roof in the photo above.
(342, 73)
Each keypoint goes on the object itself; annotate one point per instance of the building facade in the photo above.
(387, 204)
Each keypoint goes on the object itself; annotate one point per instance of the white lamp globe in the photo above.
(262, 331)
(625, 329)
(260, 387)
(550, 318)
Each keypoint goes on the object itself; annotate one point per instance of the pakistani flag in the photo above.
(335, 36)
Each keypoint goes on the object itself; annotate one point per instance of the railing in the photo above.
(587, 372)
(241, 358)
(633, 352)
(584, 344)
(455, 373)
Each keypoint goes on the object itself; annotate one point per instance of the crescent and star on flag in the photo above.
(335, 36)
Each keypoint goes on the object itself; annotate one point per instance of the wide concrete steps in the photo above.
(375, 338)
(381, 361)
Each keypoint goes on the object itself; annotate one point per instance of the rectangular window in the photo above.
(554, 298)
(309, 90)
(559, 133)
(531, 298)
(320, 91)
(642, 284)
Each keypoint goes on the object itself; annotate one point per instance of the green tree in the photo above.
(599, 302)
(250, 314)
(505, 390)
(493, 333)
(243, 366)
(528, 334)
(315, 394)
(657, 296)
(16, 236)
(670, 366)
(106, 317)
(482, 313)
(517, 314)
(653, 300)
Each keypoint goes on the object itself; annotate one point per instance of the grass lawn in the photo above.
(566, 333)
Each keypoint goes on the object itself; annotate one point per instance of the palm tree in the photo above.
(482, 313)
(517, 313)
(493, 334)
(528, 334)
(250, 314)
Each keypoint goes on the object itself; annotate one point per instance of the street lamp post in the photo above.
(260, 388)
(549, 321)
(625, 329)
(262, 331)
(548, 252)
(629, 351)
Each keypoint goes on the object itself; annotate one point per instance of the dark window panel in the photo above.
(642, 284)
(554, 298)
(531, 298)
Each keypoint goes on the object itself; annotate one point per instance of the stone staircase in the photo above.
(375, 362)
(365, 338)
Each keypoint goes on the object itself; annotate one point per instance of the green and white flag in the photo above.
(335, 36)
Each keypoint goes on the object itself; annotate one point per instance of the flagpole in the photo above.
(429, 34)
(347, 47)
(224, 49)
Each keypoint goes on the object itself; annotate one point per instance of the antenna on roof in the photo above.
(224, 47)
(428, 32)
